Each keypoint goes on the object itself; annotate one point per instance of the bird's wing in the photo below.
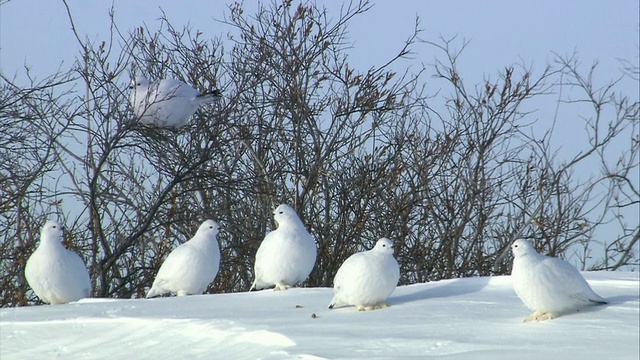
(79, 272)
(347, 268)
(267, 250)
(564, 278)
(175, 265)
(170, 88)
(35, 268)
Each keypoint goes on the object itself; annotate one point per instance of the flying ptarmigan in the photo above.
(548, 286)
(287, 255)
(55, 274)
(192, 266)
(168, 102)
(366, 279)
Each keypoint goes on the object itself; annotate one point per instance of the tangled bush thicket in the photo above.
(359, 154)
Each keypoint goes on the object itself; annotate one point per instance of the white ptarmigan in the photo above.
(366, 279)
(56, 275)
(287, 255)
(168, 102)
(549, 286)
(192, 266)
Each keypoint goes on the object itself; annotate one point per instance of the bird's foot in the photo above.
(280, 287)
(372, 307)
(538, 316)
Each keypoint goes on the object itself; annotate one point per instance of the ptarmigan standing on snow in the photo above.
(168, 102)
(366, 279)
(192, 266)
(55, 274)
(287, 255)
(548, 286)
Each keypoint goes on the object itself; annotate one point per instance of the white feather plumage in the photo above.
(192, 266)
(56, 275)
(366, 279)
(168, 102)
(287, 255)
(548, 286)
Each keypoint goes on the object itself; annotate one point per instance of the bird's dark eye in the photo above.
(515, 245)
(281, 212)
(210, 227)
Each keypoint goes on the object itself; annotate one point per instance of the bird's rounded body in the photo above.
(287, 255)
(56, 275)
(190, 267)
(548, 286)
(366, 279)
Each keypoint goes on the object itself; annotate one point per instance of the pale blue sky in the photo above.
(37, 32)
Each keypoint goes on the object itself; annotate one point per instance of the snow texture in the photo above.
(168, 102)
(548, 286)
(55, 274)
(287, 255)
(366, 279)
(192, 266)
(473, 318)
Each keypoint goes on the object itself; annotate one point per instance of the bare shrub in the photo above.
(360, 154)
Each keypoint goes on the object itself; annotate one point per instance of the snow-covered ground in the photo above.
(476, 318)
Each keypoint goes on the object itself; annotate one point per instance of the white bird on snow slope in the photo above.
(548, 286)
(366, 279)
(55, 274)
(287, 255)
(192, 266)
